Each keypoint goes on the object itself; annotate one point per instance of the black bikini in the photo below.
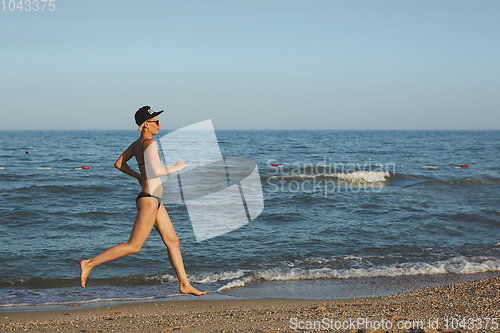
(144, 194)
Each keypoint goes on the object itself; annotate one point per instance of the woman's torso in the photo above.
(150, 183)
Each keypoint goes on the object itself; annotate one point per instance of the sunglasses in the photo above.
(154, 121)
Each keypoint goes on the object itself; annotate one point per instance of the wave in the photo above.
(369, 176)
(384, 177)
(457, 265)
(135, 288)
(353, 177)
(324, 270)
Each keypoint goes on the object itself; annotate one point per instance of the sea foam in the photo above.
(353, 177)
(457, 265)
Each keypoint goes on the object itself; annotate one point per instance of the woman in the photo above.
(150, 210)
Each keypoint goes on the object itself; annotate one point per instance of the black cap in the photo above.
(145, 113)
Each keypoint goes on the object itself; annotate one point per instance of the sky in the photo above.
(259, 64)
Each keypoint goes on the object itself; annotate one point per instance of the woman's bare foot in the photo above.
(189, 289)
(85, 271)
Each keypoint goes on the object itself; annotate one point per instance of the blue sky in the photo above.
(253, 64)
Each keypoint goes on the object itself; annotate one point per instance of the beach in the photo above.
(466, 306)
(367, 221)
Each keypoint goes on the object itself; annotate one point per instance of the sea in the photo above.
(342, 209)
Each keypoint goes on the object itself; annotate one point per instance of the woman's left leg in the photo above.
(166, 230)
(144, 221)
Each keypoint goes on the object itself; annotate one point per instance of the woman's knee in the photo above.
(134, 248)
(172, 242)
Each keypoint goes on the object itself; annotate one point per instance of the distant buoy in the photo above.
(85, 167)
(275, 165)
(27, 152)
(464, 166)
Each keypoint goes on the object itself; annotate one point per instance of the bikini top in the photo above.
(142, 152)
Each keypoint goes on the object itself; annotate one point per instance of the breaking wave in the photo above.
(457, 265)
(353, 177)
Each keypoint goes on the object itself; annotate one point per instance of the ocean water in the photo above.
(340, 205)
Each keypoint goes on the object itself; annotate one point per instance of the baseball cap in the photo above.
(145, 113)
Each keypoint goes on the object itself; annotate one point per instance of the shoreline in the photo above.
(351, 288)
(431, 305)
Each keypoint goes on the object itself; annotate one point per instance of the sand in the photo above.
(463, 307)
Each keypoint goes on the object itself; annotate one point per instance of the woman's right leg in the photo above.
(166, 230)
(143, 225)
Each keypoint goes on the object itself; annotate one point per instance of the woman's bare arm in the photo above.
(121, 163)
(154, 163)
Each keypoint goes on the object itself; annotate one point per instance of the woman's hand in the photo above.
(180, 165)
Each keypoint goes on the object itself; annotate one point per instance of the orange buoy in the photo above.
(27, 152)
(85, 167)
(275, 165)
(464, 166)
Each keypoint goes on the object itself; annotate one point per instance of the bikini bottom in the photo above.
(147, 195)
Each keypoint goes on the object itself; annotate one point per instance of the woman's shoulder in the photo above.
(146, 143)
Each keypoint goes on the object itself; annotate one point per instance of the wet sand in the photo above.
(456, 307)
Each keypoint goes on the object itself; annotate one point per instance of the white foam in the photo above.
(457, 265)
(354, 177)
(162, 278)
(215, 277)
(363, 176)
(201, 278)
(236, 283)
(352, 258)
